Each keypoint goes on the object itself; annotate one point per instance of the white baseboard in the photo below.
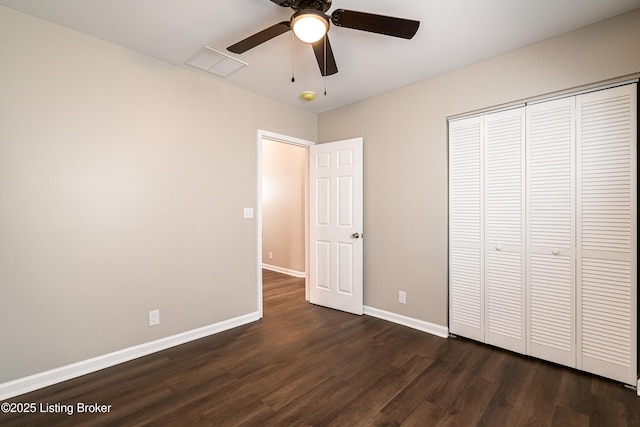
(421, 325)
(283, 270)
(47, 378)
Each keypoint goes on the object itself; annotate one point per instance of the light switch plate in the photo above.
(154, 317)
(402, 297)
(248, 212)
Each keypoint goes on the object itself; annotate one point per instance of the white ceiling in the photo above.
(452, 33)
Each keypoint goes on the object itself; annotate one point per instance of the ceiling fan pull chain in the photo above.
(325, 64)
(293, 77)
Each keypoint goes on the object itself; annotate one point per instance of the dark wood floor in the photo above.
(307, 365)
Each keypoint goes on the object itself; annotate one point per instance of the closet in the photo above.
(542, 230)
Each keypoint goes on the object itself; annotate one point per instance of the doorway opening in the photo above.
(283, 207)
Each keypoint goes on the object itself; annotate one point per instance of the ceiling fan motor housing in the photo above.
(320, 5)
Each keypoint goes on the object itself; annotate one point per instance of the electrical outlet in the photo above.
(154, 317)
(402, 297)
(270, 255)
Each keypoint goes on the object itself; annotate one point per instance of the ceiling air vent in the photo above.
(214, 62)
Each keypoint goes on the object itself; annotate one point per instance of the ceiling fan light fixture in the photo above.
(309, 25)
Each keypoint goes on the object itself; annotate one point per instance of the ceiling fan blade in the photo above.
(319, 50)
(283, 3)
(260, 37)
(387, 25)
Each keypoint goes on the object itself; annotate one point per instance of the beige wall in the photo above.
(405, 151)
(122, 183)
(283, 205)
(122, 186)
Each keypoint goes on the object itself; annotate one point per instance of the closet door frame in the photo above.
(621, 367)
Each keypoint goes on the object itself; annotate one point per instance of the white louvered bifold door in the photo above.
(465, 229)
(550, 231)
(606, 233)
(504, 229)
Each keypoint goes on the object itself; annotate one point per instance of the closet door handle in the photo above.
(498, 247)
(555, 252)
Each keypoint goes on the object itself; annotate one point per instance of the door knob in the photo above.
(356, 235)
(555, 252)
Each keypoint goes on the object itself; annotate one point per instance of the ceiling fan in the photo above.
(310, 24)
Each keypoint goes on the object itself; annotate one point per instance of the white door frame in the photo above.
(263, 134)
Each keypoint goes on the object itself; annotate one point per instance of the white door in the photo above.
(466, 290)
(336, 225)
(504, 230)
(550, 231)
(607, 202)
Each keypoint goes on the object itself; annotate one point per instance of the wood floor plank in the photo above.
(563, 417)
(512, 392)
(539, 407)
(410, 398)
(471, 403)
(305, 365)
(427, 414)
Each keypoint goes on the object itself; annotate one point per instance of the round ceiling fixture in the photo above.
(309, 25)
(308, 95)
